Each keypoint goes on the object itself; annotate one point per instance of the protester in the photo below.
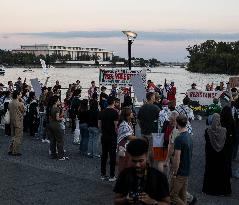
(6, 100)
(184, 109)
(213, 108)
(56, 130)
(164, 113)
(140, 184)
(148, 122)
(125, 134)
(183, 146)
(94, 134)
(171, 95)
(18, 84)
(91, 90)
(217, 172)
(113, 91)
(16, 109)
(158, 101)
(236, 117)
(150, 86)
(103, 98)
(108, 121)
(33, 114)
(74, 108)
(83, 117)
(228, 122)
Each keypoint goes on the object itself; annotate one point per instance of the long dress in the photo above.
(217, 170)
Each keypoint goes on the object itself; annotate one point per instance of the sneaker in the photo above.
(90, 155)
(112, 179)
(43, 141)
(97, 156)
(104, 177)
(76, 143)
(47, 141)
(63, 158)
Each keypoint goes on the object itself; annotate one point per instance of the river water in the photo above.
(182, 78)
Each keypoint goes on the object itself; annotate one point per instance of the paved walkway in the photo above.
(36, 179)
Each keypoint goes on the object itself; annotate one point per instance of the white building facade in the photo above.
(74, 51)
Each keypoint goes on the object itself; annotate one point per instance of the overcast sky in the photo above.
(165, 28)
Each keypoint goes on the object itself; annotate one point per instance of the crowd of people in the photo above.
(152, 168)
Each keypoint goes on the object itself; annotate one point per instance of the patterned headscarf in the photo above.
(217, 133)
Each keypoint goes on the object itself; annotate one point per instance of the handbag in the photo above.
(6, 118)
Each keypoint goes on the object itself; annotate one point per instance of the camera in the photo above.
(134, 196)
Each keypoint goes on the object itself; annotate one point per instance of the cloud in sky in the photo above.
(168, 45)
(142, 35)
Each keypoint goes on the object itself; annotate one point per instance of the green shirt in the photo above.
(213, 108)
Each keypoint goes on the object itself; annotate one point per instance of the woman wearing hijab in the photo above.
(217, 170)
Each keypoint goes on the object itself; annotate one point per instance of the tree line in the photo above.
(214, 57)
(9, 58)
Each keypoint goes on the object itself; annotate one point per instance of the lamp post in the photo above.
(131, 36)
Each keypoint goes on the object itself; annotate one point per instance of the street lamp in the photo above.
(131, 36)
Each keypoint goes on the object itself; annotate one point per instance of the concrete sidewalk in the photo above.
(33, 178)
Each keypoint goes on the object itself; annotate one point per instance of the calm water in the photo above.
(182, 78)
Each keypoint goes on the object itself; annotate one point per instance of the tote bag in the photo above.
(6, 118)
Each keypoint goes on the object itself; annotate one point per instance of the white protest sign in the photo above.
(203, 97)
(139, 89)
(36, 87)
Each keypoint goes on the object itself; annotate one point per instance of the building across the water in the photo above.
(75, 52)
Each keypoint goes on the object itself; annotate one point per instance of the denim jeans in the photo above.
(41, 128)
(84, 138)
(94, 141)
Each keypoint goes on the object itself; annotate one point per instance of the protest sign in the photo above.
(203, 97)
(36, 87)
(120, 77)
(139, 89)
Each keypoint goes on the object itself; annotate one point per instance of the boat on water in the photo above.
(28, 70)
(2, 71)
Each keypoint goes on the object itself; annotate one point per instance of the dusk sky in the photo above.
(165, 28)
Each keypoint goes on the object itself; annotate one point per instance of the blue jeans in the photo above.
(84, 138)
(94, 141)
(41, 128)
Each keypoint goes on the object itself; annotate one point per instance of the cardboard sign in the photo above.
(119, 76)
(36, 87)
(203, 97)
(139, 89)
(234, 82)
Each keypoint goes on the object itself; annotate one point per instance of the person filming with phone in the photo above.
(141, 184)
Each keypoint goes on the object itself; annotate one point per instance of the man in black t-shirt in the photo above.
(108, 121)
(141, 184)
(148, 121)
(103, 98)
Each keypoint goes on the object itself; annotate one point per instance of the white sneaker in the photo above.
(47, 141)
(63, 158)
(43, 141)
(112, 179)
(104, 177)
